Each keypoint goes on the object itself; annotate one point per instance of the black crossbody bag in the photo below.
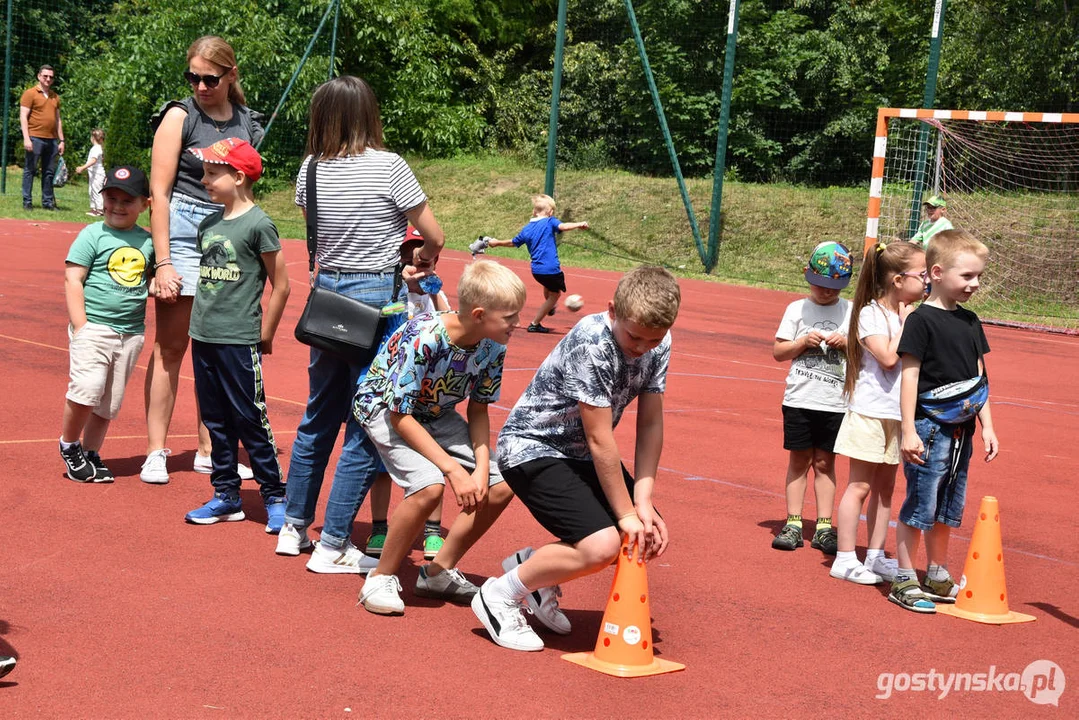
(333, 322)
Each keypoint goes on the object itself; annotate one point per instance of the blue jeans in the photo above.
(332, 383)
(937, 490)
(43, 154)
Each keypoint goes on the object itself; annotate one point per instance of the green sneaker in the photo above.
(431, 545)
(375, 543)
(789, 538)
(909, 596)
(941, 591)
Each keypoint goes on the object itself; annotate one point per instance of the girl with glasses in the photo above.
(892, 279)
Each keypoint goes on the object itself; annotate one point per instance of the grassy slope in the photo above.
(769, 229)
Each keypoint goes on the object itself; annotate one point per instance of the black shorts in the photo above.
(564, 496)
(810, 429)
(554, 283)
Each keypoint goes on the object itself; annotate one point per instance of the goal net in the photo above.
(1010, 179)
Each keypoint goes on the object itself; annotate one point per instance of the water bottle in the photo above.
(431, 284)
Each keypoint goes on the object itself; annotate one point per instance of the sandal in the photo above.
(909, 596)
(940, 591)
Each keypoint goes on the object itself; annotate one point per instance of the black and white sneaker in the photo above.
(505, 622)
(102, 474)
(543, 602)
(79, 468)
(7, 664)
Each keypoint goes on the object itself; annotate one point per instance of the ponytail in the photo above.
(879, 265)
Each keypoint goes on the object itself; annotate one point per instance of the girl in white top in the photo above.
(95, 171)
(892, 279)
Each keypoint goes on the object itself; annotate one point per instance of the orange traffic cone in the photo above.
(983, 594)
(624, 646)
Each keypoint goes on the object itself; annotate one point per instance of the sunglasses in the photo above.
(210, 81)
(923, 275)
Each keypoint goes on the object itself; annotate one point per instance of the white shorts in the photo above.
(101, 361)
(872, 440)
(410, 469)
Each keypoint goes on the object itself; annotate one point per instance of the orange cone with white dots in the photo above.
(983, 594)
(624, 646)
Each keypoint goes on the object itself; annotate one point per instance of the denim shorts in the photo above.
(937, 490)
(185, 215)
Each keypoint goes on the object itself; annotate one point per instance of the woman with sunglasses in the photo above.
(214, 111)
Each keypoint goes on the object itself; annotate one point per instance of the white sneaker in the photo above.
(203, 464)
(543, 602)
(505, 622)
(292, 540)
(887, 568)
(329, 561)
(381, 595)
(855, 573)
(154, 470)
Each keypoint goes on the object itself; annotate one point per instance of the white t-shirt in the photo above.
(876, 392)
(815, 380)
(423, 303)
(96, 172)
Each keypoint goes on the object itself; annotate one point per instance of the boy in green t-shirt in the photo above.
(105, 285)
(935, 222)
(230, 333)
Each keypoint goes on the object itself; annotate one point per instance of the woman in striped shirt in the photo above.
(366, 196)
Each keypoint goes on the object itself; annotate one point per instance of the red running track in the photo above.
(118, 609)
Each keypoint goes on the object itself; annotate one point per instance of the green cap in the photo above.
(936, 201)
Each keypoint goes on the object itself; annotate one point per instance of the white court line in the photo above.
(716, 481)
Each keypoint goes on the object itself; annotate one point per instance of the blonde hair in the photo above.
(214, 49)
(488, 285)
(648, 295)
(97, 134)
(543, 203)
(344, 119)
(947, 245)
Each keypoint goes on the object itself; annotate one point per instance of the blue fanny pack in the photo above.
(955, 403)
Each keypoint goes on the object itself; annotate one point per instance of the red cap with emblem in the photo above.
(234, 152)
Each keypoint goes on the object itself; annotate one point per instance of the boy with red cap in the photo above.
(230, 333)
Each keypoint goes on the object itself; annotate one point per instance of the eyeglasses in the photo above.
(923, 275)
(210, 81)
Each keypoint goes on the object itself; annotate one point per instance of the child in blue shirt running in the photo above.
(539, 237)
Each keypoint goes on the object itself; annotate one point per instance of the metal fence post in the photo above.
(715, 221)
(556, 91)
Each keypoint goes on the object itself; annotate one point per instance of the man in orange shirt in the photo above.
(42, 136)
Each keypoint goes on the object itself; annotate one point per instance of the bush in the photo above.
(127, 136)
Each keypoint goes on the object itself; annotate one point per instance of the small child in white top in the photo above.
(418, 303)
(813, 336)
(95, 171)
(892, 279)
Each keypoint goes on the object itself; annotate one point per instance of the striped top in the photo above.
(362, 201)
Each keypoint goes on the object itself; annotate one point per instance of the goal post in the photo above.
(1009, 178)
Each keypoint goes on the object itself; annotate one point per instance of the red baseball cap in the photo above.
(412, 234)
(234, 152)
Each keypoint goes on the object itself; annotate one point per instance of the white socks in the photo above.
(846, 560)
(508, 587)
(937, 572)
